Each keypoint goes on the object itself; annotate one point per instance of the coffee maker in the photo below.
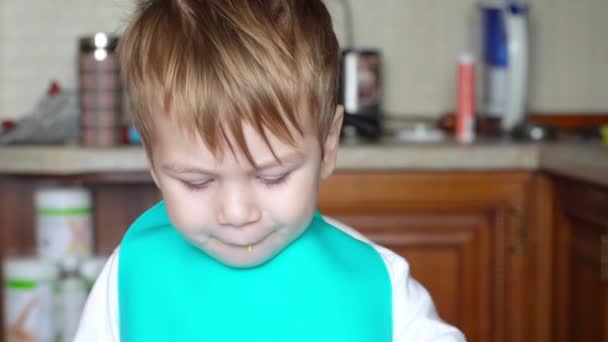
(360, 88)
(360, 93)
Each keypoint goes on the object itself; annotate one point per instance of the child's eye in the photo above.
(274, 180)
(197, 185)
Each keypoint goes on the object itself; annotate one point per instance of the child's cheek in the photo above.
(187, 214)
(296, 201)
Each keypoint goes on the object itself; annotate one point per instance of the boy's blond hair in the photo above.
(214, 64)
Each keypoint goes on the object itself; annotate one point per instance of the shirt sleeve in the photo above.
(414, 315)
(99, 320)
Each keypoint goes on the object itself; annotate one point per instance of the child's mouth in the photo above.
(247, 245)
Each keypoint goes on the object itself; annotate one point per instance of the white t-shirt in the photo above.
(414, 315)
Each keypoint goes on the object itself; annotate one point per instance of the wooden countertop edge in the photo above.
(131, 163)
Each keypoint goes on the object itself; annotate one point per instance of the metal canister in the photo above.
(100, 90)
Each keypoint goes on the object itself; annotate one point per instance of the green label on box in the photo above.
(64, 212)
(21, 284)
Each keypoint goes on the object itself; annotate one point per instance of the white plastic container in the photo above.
(91, 268)
(64, 224)
(29, 299)
(71, 293)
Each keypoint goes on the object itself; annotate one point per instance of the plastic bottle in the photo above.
(91, 268)
(63, 222)
(465, 114)
(71, 294)
(29, 299)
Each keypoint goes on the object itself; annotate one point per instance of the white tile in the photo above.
(419, 40)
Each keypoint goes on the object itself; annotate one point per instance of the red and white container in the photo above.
(465, 113)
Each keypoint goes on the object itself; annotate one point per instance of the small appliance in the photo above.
(360, 88)
(360, 92)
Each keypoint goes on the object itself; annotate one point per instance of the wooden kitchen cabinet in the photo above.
(581, 267)
(477, 241)
(470, 238)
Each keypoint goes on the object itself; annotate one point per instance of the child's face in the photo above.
(240, 215)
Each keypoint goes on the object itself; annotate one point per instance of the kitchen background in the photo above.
(419, 39)
(509, 236)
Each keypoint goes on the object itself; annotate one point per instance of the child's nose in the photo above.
(237, 208)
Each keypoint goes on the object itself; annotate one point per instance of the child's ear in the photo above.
(330, 147)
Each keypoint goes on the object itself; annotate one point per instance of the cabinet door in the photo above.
(450, 254)
(581, 313)
(460, 233)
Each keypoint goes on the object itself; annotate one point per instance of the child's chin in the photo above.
(239, 257)
(245, 261)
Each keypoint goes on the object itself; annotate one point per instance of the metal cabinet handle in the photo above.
(604, 259)
(520, 245)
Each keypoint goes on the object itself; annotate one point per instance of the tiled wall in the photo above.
(420, 40)
(39, 43)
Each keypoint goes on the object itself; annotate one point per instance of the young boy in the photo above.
(235, 101)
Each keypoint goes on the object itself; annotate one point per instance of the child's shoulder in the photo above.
(395, 264)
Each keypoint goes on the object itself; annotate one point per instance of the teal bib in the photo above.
(325, 286)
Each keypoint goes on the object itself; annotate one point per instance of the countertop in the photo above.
(586, 161)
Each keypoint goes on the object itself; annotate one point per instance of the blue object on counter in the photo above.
(495, 46)
(133, 136)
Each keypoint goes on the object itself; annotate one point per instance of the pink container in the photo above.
(465, 113)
